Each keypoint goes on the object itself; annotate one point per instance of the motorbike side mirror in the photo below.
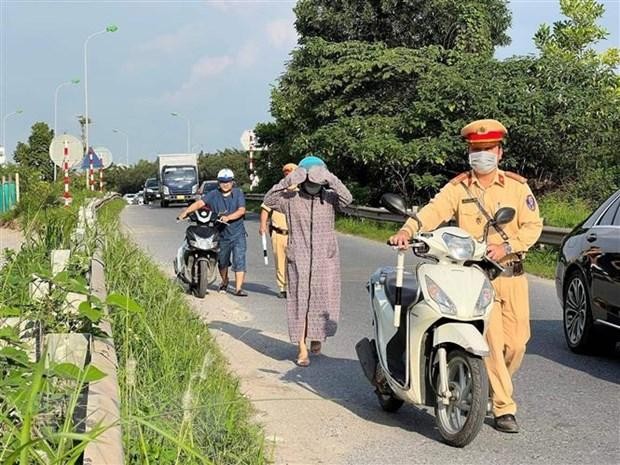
(504, 215)
(394, 204)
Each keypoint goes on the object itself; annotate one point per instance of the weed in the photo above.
(179, 403)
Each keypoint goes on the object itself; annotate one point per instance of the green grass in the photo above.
(369, 229)
(563, 212)
(542, 261)
(180, 405)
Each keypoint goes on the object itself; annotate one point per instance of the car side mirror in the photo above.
(504, 215)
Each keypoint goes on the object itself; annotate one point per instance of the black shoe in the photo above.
(506, 424)
(223, 288)
(282, 295)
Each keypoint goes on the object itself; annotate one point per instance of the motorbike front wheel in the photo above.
(202, 281)
(460, 421)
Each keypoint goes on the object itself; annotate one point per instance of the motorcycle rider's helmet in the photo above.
(225, 175)
(309, 187)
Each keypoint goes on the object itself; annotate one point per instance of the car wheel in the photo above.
(578, 325)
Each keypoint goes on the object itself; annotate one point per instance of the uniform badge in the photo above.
(531, 203)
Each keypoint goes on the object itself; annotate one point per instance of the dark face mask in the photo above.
(311, 188)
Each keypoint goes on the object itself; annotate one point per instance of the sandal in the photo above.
(241, 293)
(315, 347)
(223, 287)
(303, 362)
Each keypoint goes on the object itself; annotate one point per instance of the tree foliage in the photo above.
(388, 117)
(35, 153)
(468, 25)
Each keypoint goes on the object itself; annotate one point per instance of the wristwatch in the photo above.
(507, 248)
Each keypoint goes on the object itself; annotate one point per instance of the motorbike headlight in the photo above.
(440, 297)
(460, 248)
(166, 190)
(487, 294)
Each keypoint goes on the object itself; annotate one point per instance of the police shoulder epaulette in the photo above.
(460, 178)
(516, 177)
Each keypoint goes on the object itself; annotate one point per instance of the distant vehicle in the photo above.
(205, 187)
(129, 198)
(587, 280)
(139, 199)
(178, 174)
(151, 190)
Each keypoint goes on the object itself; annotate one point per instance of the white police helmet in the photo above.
(225, 175)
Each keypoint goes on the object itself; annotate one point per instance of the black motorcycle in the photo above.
(196, 261)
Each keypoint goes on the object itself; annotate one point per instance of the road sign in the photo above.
(104, 155)
(57, 150)
(247, 139)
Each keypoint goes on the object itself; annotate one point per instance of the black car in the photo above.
(205, 187)
(151, 190)
(588, 280)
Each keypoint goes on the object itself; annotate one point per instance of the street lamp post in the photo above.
(90, 180)
(126, 144)
(16, 112)
(66, 83)
(189, 133)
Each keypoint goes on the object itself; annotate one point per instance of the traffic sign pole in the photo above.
(66, 195)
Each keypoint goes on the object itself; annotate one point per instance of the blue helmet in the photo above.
(311, 161)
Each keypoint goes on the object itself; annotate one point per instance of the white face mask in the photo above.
(483, 161)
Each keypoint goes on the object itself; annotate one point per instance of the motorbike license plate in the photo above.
(180, 197)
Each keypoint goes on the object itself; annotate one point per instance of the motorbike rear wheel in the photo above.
(202, 279)
(460, 421)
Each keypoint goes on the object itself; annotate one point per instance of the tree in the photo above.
(35, 154)
(574, 37)
(210, 163)
(388, 118)
(472, 25)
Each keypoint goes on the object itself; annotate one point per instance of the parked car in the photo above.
(205, 187)
(130, 198)
(151, 190)
(588, 280)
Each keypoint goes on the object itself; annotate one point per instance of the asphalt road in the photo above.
(569, 405)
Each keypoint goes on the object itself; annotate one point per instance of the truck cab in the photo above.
(178, 174)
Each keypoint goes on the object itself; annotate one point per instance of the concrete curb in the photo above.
(103, 404)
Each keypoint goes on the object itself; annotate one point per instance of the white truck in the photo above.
(178, 176)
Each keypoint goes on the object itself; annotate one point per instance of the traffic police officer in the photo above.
(278, 230)
(472, 197)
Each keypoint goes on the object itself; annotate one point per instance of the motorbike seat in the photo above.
(411, 289)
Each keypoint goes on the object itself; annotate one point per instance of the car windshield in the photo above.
(209, 186)
(150, 183)
(180, 174)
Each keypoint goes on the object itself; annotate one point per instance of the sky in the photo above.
(212, 62)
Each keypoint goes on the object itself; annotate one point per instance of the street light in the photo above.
(16, 112)
(189, 133)
(110, 28)
(66, 83)
(126, 144)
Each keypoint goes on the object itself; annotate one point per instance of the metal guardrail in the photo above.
(550, 234)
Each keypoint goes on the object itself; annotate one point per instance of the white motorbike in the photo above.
(429, 327)
(196, 260)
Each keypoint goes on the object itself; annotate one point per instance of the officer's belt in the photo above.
(272, 228)
(512, 269)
